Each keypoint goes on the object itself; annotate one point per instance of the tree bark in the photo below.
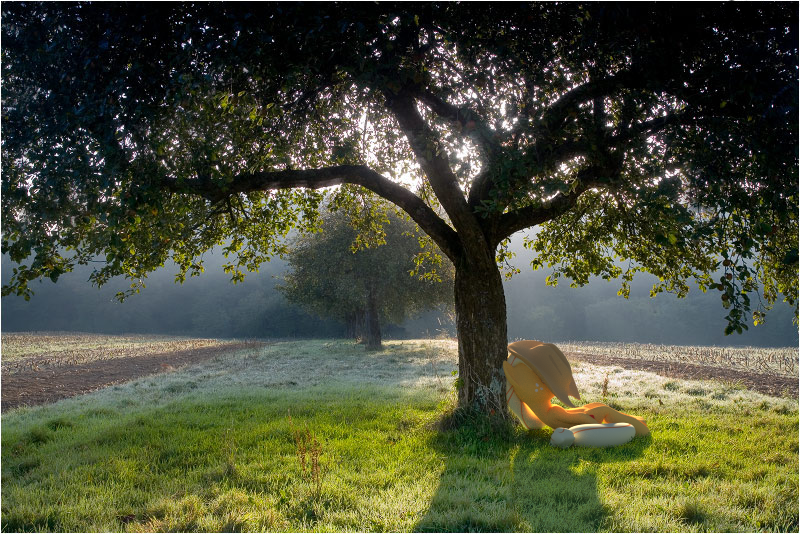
(482, 334)
(355, 325)
(373, 323)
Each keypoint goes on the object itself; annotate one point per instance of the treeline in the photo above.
(596, 313)
(210, 305)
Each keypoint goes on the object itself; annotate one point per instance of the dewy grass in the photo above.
(777, 360)
(54, 349)
(224, 463)
(213, 448)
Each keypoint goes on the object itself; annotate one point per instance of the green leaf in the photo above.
(729, 329)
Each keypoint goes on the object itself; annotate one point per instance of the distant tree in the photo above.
(340, 273)
(661, 135)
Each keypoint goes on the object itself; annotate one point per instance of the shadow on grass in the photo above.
(498, 478)
(229, 461)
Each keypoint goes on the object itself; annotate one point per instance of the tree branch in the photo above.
(648, 127)
(549, 154)
(431, 157)
(471, 123)
(476, 128)
(559, 110)
(535, 214)
(444, 236)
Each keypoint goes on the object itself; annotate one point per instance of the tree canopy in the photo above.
(662, 138)
(365, 282)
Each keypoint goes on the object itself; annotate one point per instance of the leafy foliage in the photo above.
(662, 136)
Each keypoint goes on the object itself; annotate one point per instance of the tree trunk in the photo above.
(482, 335)
(355, 325)
(373, 324)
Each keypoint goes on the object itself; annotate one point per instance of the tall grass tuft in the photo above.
(308, 451)
(230, 456)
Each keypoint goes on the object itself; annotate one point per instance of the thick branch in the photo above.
(470, 122)
(434, 163)
(444, 236)
(569, 101)
(476, 128)
(549, 147)
(535, 214)
(548, 154)
(646, 128)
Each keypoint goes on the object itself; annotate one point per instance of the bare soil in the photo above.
(44, 382)
(773, 385)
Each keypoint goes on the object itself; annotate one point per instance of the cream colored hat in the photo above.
(551, 365)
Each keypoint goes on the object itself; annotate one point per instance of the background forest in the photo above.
(211, 305)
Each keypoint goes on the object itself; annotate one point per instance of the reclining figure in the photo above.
(536, 373)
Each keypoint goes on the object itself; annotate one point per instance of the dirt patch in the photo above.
(773, 385)
(43, 383)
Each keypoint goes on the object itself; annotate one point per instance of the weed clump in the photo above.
(696, 392)
(691, 512)
(38, 436)
(308, 451)
(58, 424)
(25, 466)
(229, 470)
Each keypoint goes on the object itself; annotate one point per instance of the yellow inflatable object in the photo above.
(550, 364)
(536, 372)
(519, 408)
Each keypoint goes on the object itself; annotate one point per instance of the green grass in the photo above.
(214, 448)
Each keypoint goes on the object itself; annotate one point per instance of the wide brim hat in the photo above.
(550, 364)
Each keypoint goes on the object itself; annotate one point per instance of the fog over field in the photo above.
(211, 306)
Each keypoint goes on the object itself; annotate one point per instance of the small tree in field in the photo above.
(659, 137)
(336, 274)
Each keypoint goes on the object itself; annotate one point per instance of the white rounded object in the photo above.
(603, 435)
(562, 437)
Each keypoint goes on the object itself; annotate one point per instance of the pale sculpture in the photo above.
(536, 373)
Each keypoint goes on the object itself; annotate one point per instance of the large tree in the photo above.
(365, 271)
(659, 137)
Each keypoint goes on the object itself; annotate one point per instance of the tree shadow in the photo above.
(503, 480)
(229, 461)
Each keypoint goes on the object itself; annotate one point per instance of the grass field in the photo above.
(321, 436)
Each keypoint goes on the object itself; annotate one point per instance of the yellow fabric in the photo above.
(550, 364)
